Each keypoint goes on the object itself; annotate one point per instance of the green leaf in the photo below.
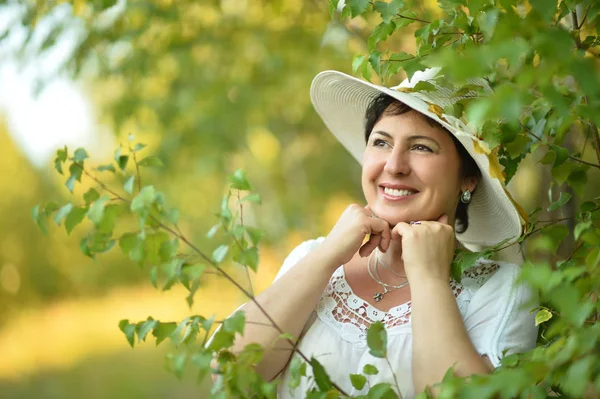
(139, 147)
(369, 369)
(321, 378)
(377, 340)
(80, 155)
(357, 7)
(151, 161)
(239, 181)
(380, 33)
(103, 168)
(163, 330)
(129, 331)
(297, 371)
(222, 339)
(563, 199)
(111, 213)
(70, 183)
(61, 157)
(213, 230)
(254, 198)
(248, 257)
(382, 391)
(219, 254)
(358, 381)
(542, 316)
(357, 61)
(178, 363)
(153, 244)
(127, 242)
(255, 234)
(74, 218)
(96, 211)
(145, 328)
(90, 196)
(577, 379)
(62, 213)
(424, 86)
(388, 10)
(252, 354)
(128, 186)
(154, 276)
(235, 323)
(580, 228)
(144, 199)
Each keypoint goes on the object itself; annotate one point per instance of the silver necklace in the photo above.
(385, 265)
(378, 296)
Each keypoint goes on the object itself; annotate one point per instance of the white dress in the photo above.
(495, 310)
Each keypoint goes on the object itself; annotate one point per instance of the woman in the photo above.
(423, 174)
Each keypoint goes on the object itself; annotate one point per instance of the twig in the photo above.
(584, 18)
(242, 223)
(550, 223)
(529, 132)
(595, 139)
(219, 270)
(394, 374)
(137, 169)
(413, 19)
(573, 253)
(575, 29)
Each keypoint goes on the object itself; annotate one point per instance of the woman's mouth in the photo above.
(397, 193)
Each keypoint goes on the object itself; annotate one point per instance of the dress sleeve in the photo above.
(499, 318)
(296, 255)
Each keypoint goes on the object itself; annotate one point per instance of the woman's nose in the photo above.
(397, 163)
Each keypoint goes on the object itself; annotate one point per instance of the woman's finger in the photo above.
(401, 229)
(370, 245)
(381, 228)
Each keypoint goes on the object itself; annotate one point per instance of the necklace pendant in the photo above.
(378, 297)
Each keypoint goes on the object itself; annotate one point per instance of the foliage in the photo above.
(541, 61)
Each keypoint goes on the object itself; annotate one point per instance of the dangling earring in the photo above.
(465, 197)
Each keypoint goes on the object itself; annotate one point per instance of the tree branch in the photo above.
(219, 270)
(529, 132)
(584, 18)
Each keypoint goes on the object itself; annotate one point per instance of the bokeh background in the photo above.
(209, 86)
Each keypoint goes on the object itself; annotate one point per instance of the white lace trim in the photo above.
(350, 316)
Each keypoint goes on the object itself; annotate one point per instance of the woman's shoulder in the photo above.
(486, 270)
(496, 281)
(299, 252)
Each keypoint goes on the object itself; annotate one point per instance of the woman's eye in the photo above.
(379, 143)
(421, 147)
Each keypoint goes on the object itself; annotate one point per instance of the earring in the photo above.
(465, 197)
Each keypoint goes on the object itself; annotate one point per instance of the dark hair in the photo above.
(384, 103)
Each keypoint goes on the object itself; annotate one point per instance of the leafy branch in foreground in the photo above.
(149, 235)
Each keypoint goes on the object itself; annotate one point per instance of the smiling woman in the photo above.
(427, 191)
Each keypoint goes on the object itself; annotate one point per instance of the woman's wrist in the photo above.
(421, 282)
(326, 259)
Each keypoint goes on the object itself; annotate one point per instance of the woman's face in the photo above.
(411, 170)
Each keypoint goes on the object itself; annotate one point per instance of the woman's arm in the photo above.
(289, 302)
(292, 298)
(440, 339)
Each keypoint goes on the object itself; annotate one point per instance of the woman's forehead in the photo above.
(407, 124)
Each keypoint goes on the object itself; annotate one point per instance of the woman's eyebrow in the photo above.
(420, 137)
(383, 134)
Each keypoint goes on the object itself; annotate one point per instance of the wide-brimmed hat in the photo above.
(342, 100)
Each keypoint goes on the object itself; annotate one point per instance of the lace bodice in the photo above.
(350, 316)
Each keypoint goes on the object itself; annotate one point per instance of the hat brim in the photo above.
(342, 100)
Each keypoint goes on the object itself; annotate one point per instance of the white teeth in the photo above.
(397, 193)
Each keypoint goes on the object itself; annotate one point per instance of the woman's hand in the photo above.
(348, 234)
(427, 248)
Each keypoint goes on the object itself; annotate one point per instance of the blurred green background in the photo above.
(209, 86)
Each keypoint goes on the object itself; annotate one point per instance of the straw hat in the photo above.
(342, 100)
